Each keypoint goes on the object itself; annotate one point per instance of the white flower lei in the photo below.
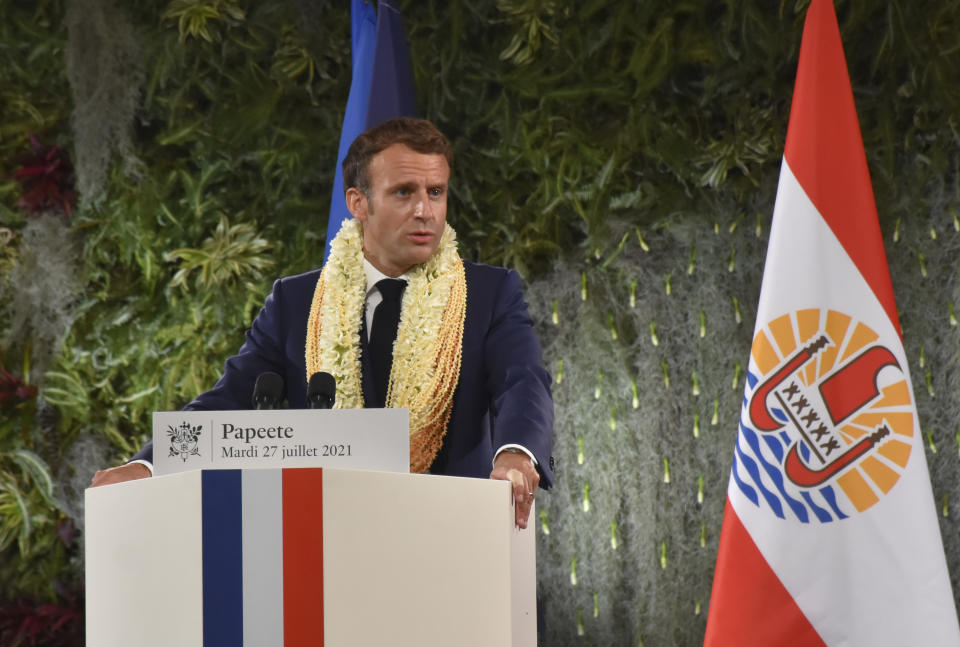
(427, 351)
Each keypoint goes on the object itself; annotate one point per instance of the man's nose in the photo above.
(423, 209)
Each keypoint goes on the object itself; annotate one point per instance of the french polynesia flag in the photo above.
(830, 534)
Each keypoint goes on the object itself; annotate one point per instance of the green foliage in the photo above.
(574, 113)
(577, 113)
(34, 96)
(232, 252)
(235, 177)
(26, 496)
(199, 19)
(32, 554)
(34, 99)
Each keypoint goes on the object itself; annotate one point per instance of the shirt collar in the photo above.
(374, 275)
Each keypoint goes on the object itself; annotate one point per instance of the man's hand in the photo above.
(519, 470)
(128, 472)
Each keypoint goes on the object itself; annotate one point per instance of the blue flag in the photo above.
(381, 88)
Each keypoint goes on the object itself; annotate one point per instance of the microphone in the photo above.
(268, 391)
(321, 391)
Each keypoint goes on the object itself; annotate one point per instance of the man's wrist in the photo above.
(146, 464)
(516, 449)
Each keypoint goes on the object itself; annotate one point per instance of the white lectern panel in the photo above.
(285, 557)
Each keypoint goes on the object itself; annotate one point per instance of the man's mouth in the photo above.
(421, 236)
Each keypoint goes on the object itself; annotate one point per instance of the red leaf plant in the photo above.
(54, 624)
(13, 390)
(47, 179)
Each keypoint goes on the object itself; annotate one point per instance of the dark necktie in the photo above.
(386, 318)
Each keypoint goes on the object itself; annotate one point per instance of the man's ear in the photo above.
(356, 203)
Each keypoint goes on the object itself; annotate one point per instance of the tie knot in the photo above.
(391, 289)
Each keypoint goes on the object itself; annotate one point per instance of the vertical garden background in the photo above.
(161, 161)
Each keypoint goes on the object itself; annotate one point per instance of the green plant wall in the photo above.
(622, 155)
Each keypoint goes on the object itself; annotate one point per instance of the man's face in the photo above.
(405, 215)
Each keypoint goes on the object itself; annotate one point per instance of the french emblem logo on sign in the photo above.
(184, 440)
(828, 423)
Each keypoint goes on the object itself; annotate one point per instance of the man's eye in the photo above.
(403, 192)
(436, 193)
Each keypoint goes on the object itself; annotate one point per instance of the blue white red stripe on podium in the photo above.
(262, 557)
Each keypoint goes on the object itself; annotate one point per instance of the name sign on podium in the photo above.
(364, 439)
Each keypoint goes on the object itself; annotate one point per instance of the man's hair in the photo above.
(418, 135)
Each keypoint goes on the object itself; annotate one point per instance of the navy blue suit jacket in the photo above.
(503, 395)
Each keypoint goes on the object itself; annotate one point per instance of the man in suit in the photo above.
(463, 357)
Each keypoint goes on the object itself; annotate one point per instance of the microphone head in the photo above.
(268, 391)
(321, 391)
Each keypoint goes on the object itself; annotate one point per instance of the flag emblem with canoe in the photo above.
(829, 419)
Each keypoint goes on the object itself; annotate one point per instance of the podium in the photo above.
(307, 556)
